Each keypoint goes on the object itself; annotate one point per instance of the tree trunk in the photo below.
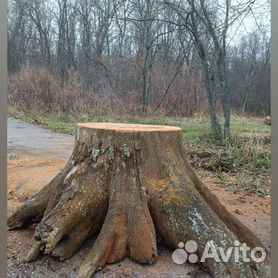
(212, 98)
(227, 115)
(147, 71)
(131, 184)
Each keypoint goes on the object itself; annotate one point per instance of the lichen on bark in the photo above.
(130, 184)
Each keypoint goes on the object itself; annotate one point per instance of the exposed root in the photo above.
(34, 252)
(128, 228)
(110, 245)
(68, 246)
(243, 233)
(130, 187)
(79, 203)
(142, 246)
(33, 208)
(176, 223)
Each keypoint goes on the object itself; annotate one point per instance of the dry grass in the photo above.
(36, 89)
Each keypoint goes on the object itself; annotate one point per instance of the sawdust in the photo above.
(27, 175)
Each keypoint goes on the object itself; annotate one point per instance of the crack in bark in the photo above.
(115, 189)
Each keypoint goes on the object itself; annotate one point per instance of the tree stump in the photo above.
(131, 184)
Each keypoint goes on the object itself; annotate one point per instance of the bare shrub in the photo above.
(186, 95)
(33, 89)
(39, 89)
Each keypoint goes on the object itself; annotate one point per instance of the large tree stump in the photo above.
(130, 184)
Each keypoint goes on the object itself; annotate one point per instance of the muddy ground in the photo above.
(35, 155)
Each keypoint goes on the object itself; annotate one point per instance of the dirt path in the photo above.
(36, 154)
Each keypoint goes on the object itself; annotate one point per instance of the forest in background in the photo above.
(139, 57)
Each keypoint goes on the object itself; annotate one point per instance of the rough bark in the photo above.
(130, 184)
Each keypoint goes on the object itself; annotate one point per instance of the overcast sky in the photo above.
(259, 18)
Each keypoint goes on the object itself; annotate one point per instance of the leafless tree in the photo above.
(153, 53)
(208, 23)
(250, 74)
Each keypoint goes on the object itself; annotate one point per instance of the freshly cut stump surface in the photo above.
(131, 185)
